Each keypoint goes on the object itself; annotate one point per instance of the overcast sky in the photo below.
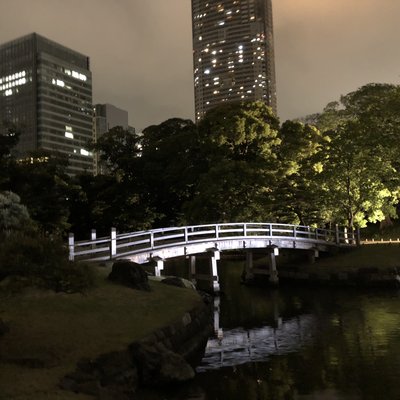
(141, 50)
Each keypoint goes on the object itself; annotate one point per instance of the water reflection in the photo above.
(300, 343)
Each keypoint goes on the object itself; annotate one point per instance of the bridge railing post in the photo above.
(216, 231)
(337, 236)
(186, 234)
(244, 229)
(151, 240)
(93, 237)
(270, 229)
(346, 236)
(294, 232)
(113, 243)
(71, 247)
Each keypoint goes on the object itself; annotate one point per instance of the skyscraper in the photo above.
(233, 53)
(46, 92)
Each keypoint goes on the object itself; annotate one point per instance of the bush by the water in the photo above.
(42, 261)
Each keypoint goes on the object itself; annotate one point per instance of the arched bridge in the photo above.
(157, 245)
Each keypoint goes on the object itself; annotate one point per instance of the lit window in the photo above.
(84, 152)
(69, 135)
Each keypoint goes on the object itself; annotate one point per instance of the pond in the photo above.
(299, 343)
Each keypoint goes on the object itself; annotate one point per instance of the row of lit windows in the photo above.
(13, 77)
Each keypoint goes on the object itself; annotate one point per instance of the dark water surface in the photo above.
(299, 343)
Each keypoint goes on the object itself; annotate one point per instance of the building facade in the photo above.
(46, 93)
(233, 53)
(106, 117)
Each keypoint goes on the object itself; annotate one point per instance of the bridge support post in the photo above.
(248, 272)
(214, 256)
(192, 269)
(159, 265)
(217, 330)
(273, 251)
(312, 255)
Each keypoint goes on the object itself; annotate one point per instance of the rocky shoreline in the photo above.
(165, 357)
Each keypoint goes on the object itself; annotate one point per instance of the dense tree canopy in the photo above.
(236, 164)
(238, 142)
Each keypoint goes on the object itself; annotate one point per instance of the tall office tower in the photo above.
(107, 116)
(233, 53)
(46, 92)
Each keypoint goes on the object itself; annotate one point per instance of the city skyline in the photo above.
(141, 50)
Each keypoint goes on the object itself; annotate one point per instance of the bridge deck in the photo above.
(180, 241)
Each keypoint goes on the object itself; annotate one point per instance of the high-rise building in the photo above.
(233, 53)
(107, 116)
(46, 93)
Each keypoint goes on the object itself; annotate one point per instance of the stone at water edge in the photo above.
(160, 366)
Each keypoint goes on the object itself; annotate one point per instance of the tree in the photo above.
(238, 141)
(171, 163)
(119, 150)
(297, 196)
(9, 137)
(43, 185)
(14, 216)
(359, 168)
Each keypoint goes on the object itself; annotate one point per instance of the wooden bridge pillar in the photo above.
(214, 256)
(159, 265)
(249, 271)
(273, 251)
(312, 255)
(192, 269)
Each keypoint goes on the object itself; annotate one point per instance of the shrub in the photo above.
(13, 214)
(42, 260)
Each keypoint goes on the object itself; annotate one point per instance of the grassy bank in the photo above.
(50, 333)
(380, 256)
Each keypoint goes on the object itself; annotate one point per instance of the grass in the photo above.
(380, 256)
(61, 329)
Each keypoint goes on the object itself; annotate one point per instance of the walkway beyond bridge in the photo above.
(158, 245)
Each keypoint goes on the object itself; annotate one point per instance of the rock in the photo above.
(117, 368)
(129, 274)
(160, 366)
(3, 328)
(179, 282)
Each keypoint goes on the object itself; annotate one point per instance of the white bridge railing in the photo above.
(128, 244)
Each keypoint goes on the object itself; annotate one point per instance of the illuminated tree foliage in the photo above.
(359, 167)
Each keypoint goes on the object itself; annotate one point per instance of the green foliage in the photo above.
(359, 168)
(42, 261)
(44, 187)
(171, 163)
(238, 141)
(13, 215)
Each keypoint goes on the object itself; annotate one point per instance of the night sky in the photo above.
(141, 50)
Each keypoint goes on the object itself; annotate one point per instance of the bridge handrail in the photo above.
(117, 245)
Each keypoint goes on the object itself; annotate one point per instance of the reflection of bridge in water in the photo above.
(239, 345)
